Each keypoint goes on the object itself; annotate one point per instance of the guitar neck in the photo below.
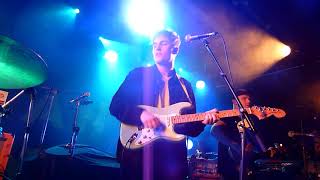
(201, 116)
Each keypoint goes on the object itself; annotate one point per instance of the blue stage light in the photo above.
(111, 56)
(76, 11)
(200, 84)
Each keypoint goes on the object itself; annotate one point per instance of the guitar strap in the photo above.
(184, 88)
(163, 98)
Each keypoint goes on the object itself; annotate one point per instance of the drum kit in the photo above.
(23, 69)
(203, 166)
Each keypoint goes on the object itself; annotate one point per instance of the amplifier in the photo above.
(6, 142)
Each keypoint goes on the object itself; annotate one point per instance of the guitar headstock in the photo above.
(263, 112)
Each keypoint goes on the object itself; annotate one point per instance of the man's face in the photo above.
(245, 100)
(162, 50)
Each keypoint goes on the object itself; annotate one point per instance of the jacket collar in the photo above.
(158, 75)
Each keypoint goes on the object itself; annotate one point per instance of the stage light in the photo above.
(180, 70)
(70, 11)
(76, 11)
(200, 84)
(111, 56)
(145, 16)
(105, 42)
(189, 144)
(259, 52)
(285, 50)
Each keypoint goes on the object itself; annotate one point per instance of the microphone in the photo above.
(189, 38)
(84, 95)
(292, 133)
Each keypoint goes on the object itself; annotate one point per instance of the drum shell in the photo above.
(201, 168)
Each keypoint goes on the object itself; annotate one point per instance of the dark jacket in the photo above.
(141, 87)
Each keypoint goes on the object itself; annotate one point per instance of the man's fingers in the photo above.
(151, 123)
(147, 124)
(213, 110)
(211, 117)
(206, 121)
(154, 123)
(213, 113)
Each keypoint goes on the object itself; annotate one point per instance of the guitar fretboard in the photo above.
(201, 116)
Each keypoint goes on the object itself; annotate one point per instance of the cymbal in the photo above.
(20, 67)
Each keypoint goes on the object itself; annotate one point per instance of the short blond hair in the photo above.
(173, 37)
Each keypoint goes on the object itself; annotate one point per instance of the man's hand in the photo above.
(211, 117)
(149, 120)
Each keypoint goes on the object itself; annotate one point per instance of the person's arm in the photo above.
(193, 128)
(125, 101)
(222, 132)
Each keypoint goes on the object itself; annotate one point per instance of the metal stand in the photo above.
(244, 116)
(75, 130)
(52, 93)
(304, 157)
(31, 93)
(81, 100)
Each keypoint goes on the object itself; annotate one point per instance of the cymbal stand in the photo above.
(31, 93)
(52, 93)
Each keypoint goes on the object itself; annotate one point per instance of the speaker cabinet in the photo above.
(6, 142)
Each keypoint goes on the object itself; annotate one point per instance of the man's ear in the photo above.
(175, 50)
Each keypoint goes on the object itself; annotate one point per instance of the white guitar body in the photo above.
(133, 137)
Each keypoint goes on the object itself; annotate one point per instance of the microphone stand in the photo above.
(75, 129)
(243, 114)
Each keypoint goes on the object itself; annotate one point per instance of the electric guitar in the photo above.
(133, 137)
